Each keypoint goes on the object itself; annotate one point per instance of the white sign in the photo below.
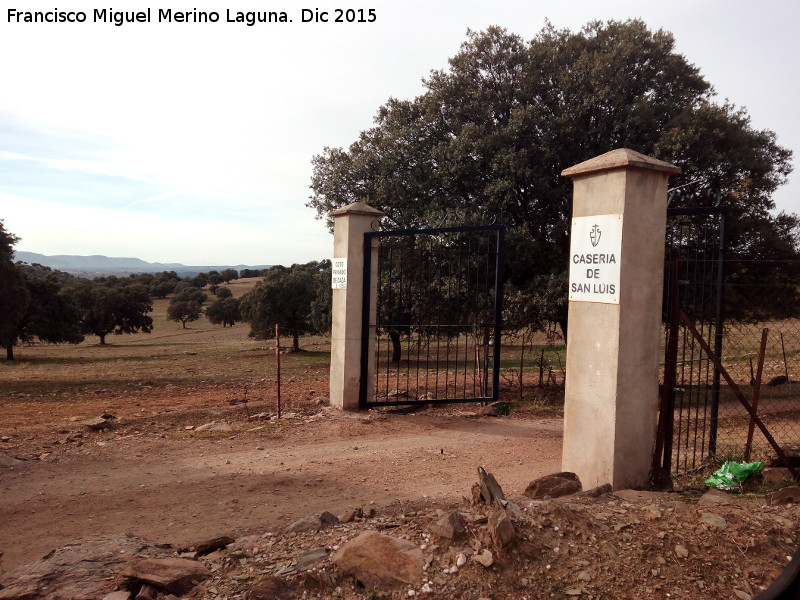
(339, 278)
(594, 259)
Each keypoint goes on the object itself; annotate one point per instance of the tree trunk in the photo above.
(397, 350)
(562, 323)
(184, 324)
(102, 337)
(10, 352)
(296, 342)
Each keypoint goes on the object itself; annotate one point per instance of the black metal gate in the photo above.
(693, 319)
(436, 316)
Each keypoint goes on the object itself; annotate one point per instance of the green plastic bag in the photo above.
(731, 475)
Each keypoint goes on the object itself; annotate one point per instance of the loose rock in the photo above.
(596, 492)
(450, 527)
(553, 486)
(316, 523)
(488, 490)
(714, 496)
(176, 575)
(785, 496)
(120, 595)
(213, 544)
(308, 559)
(271, 588)
(79, 570)
(215, 426)
(776, 474)
(380, 561)
(714, 520)
(484, 558)
(148, 592)
(501, 529)
(98, 423)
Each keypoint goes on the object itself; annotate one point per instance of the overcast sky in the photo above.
(192, 143)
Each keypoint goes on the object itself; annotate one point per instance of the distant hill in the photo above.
(95, 266)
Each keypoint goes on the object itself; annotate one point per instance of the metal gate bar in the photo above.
(437, 312)
(688, 421)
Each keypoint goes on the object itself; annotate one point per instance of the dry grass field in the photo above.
(216, 363)
(158, 474)
(155, 475)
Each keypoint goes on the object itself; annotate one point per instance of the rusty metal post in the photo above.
(278, 363)
(756, 394)
(660, 476)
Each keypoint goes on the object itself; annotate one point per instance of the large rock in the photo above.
(776, 474)
(176, 575)
(554, 486)
(380, 561)
(79, 571)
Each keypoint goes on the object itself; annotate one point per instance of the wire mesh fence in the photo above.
(758, 346)
(770, 380)
(532, 362)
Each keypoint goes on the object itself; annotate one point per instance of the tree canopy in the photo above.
(184, 311)
(108, 306)
(490, 135)
(51, 315)
(224, 311)
(14, 295)
(285, 297)
(32, 305)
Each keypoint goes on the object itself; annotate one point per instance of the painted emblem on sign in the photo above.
(594, 235)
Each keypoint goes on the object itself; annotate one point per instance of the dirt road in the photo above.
(183, 488)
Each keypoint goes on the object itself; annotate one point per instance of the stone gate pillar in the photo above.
(615, 290)
(350, 224)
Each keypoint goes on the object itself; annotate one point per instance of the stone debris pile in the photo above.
(583, 544)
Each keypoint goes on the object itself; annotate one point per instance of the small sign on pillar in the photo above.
(594, 259)
(339, 274)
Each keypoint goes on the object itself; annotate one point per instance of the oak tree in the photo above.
(110, 307)
(284, 297)
(489, 137)
(224, 311)
(184, 311)
(14, 295)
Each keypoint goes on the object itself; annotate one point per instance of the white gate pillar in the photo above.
(350, 224)
(616, 280)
